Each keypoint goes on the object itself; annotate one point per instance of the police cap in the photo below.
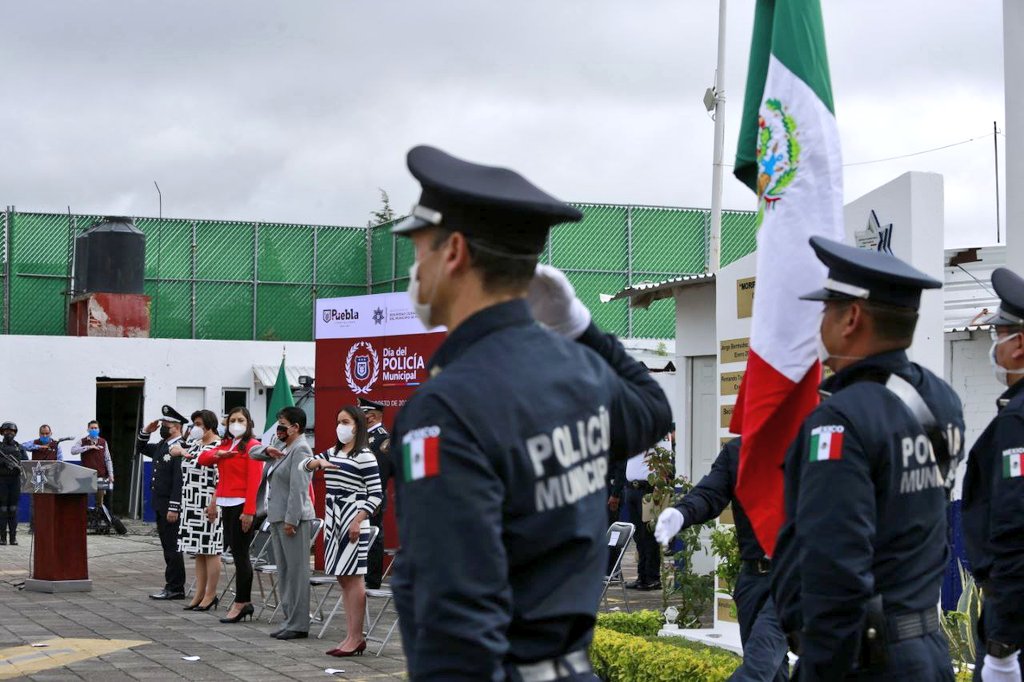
(1010, 289)
(855, 273)
(486, 203)
(172, 415)
(365, 405)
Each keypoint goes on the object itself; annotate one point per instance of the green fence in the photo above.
(252, 280)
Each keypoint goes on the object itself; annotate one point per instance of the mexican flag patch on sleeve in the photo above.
(1013, 460)
(421, 453)
(826, 443)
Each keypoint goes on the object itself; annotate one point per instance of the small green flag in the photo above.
(281, 398)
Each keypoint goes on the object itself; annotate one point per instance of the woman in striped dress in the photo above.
(353, 495)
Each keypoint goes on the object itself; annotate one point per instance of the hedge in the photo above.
(620, 657)
(641, 623)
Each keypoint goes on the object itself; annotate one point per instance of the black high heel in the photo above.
(212, 605)
(190, 607)
(246, 611)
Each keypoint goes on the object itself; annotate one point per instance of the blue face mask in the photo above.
(44, 439)
(94, 433)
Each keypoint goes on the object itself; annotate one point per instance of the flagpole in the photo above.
(1013, 85)
(715, 238)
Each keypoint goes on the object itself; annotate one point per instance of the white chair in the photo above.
(618, 537)
(270, 570)
(388, 596)
(331, 581)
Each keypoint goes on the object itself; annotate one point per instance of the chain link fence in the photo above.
(250, 280)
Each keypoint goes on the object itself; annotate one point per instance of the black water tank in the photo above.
(110, 257)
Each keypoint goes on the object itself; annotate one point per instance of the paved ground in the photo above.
(117, 633)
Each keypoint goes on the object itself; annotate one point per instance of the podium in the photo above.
(60, 559)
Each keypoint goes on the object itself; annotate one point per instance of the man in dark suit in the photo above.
(380, 444)
(166, 496)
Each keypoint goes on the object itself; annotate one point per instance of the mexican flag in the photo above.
(282, 397)
(788, 153)
(421, 457)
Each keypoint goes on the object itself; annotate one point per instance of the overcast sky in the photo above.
(298, 111)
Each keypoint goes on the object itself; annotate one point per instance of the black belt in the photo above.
(762, 566)
(901, 627)
(639, 485)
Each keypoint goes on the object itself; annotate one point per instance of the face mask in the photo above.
(823, 353)
(1002, 374)
(94, 433)
(422, 309)
(237, 429)
(44, 439)
(345, 433)
(165, 432)
(196, 433)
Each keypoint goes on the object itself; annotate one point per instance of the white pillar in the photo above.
(1013, 76)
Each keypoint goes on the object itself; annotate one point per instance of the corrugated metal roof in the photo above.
(967, 291)
(266, 375)
(645, 293)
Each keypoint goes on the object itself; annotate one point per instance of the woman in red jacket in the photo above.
(238, 483)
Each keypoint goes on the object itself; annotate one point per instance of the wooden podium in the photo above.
(60, 558)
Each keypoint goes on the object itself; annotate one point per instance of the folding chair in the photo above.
(374, 531)
(259, 551)
(619, 535)
(270, 570)
(388, 596)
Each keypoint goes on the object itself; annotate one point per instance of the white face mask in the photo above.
(236, 428)
(823, 353)
(1002, 374)
(422, 309)
(345, 434)
(195, 433)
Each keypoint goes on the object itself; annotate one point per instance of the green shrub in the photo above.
(618, 657)
(640, 623)
(727, 550)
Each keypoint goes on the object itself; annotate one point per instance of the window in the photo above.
(235, 397)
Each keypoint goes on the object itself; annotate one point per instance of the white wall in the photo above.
(52, 379)
(695, 336)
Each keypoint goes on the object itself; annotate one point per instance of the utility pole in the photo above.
(715, 238)
(995, 149)
(160, 196)
(1013, 124)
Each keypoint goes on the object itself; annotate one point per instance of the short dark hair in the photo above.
(294, 415)
(45, 426)
(361, 441)
(209, 419)
(500, 268)
(93, 422)
(892, 323)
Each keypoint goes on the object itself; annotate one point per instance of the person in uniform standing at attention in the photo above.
(353, 495)
(993, 496)
(238, 485)
(503, 452)
(95, 454)
(764, 644)
(860, 557)
(289, 511)
(165, 496)
(380, 444)
(648, 565)
(11, 457)
(200, 533)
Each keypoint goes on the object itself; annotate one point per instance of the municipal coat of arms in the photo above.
(362, 366)
(778, 153)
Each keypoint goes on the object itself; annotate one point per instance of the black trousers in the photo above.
(238, 542)
(10, 493)
(648, 568)
(375, 556)
(174, 573)
(764, 644)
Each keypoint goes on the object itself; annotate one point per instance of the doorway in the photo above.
(119, 412)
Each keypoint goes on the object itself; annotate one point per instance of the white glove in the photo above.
(554, 304)
(1001, 669)
(669, 524)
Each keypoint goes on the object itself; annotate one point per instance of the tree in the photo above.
(384, 214)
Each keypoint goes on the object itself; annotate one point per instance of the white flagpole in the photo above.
(715, 239)
(1013, 78)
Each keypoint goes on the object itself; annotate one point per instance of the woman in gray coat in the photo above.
(289, 511)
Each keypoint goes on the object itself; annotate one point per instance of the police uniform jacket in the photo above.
(380, 446)
(712, 495)
(11, 456)
(503, 541)
(166, 483)
(993, 518)
(865, 509)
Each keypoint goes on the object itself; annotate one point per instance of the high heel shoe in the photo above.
(246, 611)
(212, 605)
(341, 653)
(190, 607)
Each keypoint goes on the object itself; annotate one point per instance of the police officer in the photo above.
(860, 558)
(504, 451)
(11, 456)
(166, 496)
(993, 496)
(380, 445)
(764, 644)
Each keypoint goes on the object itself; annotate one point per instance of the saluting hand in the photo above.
(152, 426)
(554, 303)
(274, 452)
